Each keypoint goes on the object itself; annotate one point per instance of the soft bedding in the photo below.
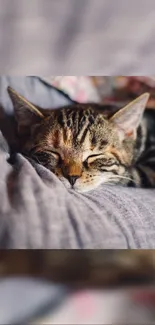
(37, 211)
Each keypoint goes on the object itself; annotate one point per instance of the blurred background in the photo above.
(106, 89)
(77, 287)
(77, 37)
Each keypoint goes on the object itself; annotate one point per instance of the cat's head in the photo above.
(80, 143)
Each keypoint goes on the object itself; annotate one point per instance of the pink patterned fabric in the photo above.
(105, 307)
(80, 89)
(101, 89)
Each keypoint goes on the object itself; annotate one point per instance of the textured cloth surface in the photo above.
(77, 37)
(37, 211)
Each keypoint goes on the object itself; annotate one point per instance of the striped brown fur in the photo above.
(86, 145)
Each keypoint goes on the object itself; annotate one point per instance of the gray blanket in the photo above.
(37, 211)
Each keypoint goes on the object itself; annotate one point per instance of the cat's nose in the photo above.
(72, 179)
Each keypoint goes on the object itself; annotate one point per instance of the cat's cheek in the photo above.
(83, 188)
(88, 182)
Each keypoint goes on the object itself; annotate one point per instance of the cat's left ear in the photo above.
(26, 114)
(128, 119)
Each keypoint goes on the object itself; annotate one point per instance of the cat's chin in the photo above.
(84, 190)
(81, 187)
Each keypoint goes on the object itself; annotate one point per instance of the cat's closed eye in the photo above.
(46, 156)
(56, 155)
(101, 159)
(91, 158)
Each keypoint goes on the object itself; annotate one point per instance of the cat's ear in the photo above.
(128, 119)
(26, 114)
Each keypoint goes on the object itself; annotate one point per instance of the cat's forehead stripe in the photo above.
(79, 120)
(83, 132)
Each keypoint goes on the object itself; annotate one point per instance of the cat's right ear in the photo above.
(26, 114)
(128, 119)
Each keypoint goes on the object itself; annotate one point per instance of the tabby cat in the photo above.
(86, 145)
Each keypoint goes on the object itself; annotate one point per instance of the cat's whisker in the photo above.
(119, 176)
(122, 177)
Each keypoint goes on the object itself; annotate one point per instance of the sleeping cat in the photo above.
(86, 145)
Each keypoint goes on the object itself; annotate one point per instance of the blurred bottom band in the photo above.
(30, 301)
